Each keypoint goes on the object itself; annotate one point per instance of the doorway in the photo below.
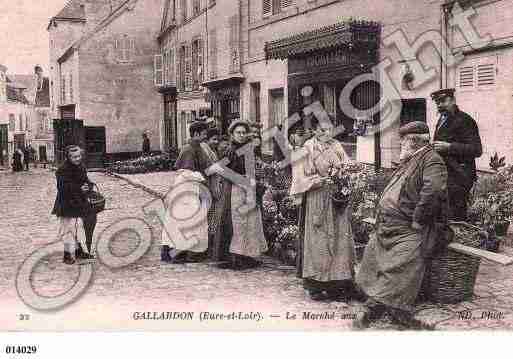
(95, 146)
(4, 149)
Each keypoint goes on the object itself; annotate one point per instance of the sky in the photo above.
(23, 35)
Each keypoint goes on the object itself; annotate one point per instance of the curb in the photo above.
(136, 184)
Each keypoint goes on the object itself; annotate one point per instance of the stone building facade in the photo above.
(24, 115)
(199, 67)
(101, 55)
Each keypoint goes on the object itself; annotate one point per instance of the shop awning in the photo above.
(348, 34)
(230, 80)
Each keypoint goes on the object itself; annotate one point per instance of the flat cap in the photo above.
(440, 94)
(415, 127)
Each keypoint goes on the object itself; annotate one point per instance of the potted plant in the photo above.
(497, 162)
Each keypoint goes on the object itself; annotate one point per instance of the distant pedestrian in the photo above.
(146, 148)
(71, 203)
(32, 152)
(26, 157)
(17, 160)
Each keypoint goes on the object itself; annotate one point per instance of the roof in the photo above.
(72, 10)
(125, 5)
(24, 81)
(348, 34)
(16, 95)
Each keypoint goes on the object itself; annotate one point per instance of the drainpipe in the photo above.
(444, 31)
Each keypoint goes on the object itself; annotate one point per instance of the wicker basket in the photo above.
(451, 276)
(96, 199)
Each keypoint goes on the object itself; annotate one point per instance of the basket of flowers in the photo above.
(345, 184)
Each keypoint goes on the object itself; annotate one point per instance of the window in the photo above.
(158, 70)
(329, 99)
(12, 122)
(273, 7)
(182, 68)
(45, 123)
(197, 64)
(171, 66)
(234, 44)
(184, 10)
(413, 110)
(276, 107)
(124, 47)
(213, 53)
(165, 68)
(27, 123)
(193, 116)
(183, 127)
(255, 102)
(63, 90)
(196, 7)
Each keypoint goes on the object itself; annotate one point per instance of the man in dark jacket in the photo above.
(26, 157)
(146, 144)
(457, 140)
(411, 223)
(192, 157)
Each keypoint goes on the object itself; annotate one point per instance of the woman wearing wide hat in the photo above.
(242, 230)
(72, 203)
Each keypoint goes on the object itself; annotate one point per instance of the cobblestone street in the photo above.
(147, 286)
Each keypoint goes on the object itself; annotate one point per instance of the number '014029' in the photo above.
(20, 349)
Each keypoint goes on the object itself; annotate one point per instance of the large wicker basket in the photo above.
(451, 276)
(96, 199)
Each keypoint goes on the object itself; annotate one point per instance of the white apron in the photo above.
(185, 224)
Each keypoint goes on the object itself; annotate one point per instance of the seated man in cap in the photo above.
(457, 140)
(192, 157)
(411, 224)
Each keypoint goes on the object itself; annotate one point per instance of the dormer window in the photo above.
(124, 48)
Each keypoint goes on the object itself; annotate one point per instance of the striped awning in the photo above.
(348, 34)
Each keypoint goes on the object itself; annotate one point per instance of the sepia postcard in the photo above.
(256, 165)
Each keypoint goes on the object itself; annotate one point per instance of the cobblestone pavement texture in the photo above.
(149, 286)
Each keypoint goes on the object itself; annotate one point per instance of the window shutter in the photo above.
(466, 77)
(486, 74)
(157, 70)
(234, 44)
(188, 67)
(200, 61)
(286, 3)
(266, 7)
(171, 60)
(213, 53)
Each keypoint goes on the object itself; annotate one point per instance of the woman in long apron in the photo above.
(242, 230)
(328, 254)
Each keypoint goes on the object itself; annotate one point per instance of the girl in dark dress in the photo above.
(71, 203)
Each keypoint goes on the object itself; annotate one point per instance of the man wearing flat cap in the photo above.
(411, 222)
(457, 140)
